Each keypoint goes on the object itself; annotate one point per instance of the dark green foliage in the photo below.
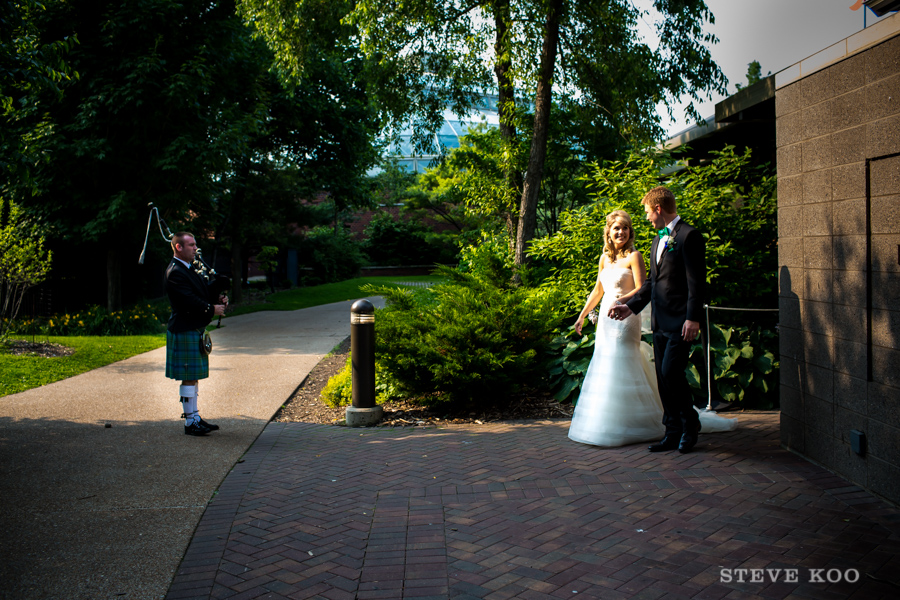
(176, 104)
(400, 241)
(468, 341)
(745, 367)
(570, 356)
(32, 69)
(332, 256)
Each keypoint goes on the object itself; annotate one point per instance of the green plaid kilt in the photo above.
(183, 358)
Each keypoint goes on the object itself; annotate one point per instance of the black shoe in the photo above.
(209, 426)
(687, 442)
(196, 429)
(669, 442)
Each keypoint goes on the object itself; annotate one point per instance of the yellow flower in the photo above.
(81, 323)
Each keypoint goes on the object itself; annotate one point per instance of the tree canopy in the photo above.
(176, 105)
(426, 56)
(31, 66)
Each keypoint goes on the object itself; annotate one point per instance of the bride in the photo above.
(619, 403)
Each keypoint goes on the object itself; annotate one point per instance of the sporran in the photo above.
(205, 344)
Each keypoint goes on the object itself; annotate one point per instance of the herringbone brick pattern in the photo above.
(519, 511)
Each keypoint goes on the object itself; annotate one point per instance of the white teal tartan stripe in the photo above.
(183, 358)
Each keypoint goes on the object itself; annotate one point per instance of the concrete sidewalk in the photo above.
(517, 510)
(93, 512)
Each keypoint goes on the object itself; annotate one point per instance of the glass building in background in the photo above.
(447, 137)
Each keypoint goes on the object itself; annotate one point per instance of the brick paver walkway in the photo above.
(519, 511)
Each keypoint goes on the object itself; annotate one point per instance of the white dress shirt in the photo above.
(659, 246)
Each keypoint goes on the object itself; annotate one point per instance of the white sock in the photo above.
(194, 410)
(189, 403)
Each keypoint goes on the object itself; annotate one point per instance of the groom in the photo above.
(675, 291)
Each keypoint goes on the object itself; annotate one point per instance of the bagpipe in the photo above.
(218, 284)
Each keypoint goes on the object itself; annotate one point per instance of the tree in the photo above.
(754, 75)
(24, 262)
(425, 56)
(473, 176)
(29, 67)
(315, 137)
(177, 107)
(150, 120)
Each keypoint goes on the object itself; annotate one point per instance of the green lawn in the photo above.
(20, 373)
(306, 297)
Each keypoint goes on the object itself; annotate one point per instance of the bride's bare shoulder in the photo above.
(635, 257)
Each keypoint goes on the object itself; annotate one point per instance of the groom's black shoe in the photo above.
(670, 442)
(688, 440)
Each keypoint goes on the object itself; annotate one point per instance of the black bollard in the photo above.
(363, 410)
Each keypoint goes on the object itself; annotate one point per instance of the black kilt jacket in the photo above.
(193, 302)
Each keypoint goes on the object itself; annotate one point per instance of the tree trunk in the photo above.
(506, 110)
(113, 279)
(528, 207)
(235, 233)
(236, 267)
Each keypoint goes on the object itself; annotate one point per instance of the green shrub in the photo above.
(745, 367)
(144, 319)
(398, 241)
(468, 341)
(332, 256)
(570, 356)
(337, 391)
(391, 241)
(488, 258)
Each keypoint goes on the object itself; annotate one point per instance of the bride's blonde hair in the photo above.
(609, 248)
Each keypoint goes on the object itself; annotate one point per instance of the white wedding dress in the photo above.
(619, 402)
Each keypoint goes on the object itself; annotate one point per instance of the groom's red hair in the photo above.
(662, 197)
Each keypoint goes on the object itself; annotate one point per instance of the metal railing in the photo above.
(707, 307)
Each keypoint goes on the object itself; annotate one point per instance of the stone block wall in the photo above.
(838, 134)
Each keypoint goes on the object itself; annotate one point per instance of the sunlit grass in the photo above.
(22, 372)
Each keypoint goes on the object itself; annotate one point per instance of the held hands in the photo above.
(619, 312)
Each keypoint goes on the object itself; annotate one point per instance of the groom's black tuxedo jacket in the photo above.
(676, 287)
(191, 298)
